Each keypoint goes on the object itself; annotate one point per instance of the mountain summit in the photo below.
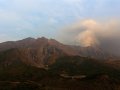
(42, 51)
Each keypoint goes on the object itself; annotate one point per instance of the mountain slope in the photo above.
(36, 52)
(43, 48)
(42, 64)
(36, 43)
(76, 65)
(95, 52)
(98, 75)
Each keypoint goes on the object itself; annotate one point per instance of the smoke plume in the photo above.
(91, 32)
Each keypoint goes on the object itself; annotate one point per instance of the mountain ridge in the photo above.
(47, 64)
(42, 51)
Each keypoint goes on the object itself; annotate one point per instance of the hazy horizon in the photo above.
(75, 22)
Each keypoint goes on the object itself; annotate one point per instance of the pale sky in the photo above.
(35, 18)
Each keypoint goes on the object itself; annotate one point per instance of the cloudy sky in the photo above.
(35, 18)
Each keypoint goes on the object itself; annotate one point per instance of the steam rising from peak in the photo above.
(87, 37)
(91, 32)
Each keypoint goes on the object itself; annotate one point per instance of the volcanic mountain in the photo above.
(48, 64)
(42, 51)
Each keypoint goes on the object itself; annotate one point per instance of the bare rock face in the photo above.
(42, 51)
(36, 52)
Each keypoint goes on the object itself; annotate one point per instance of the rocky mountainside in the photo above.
(42, 51)
(36, 52)
(42, 64)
